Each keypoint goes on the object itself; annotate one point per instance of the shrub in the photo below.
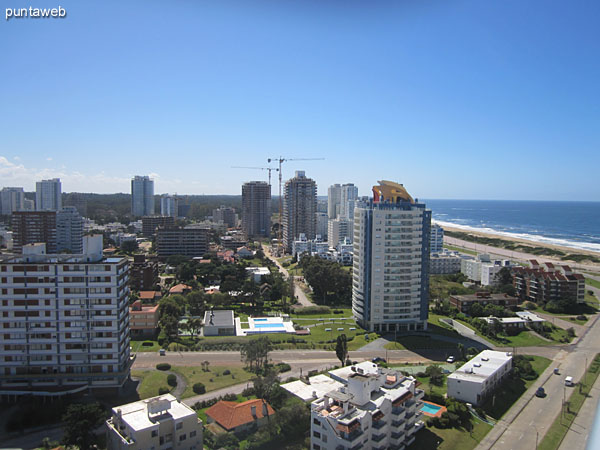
(227, 372)
(338, 311)
(172, 380)
(571, 332)
(199, 388)
(249, 392)
(283, 367)
(163, 390)
(530, 305)
(313, 310)
(163, 366)
(581, 317)
(147, 344)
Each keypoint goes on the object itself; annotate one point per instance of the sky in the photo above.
(469, 99)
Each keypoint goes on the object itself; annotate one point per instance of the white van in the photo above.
(569, 381)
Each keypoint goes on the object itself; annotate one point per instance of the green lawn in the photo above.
(497, 405)
(151, 381)
(460, 249)
(430, 438)
(136, 346)
(523, 339)
(213, 379)
(562, 423)
(418, 343)
(592, 282)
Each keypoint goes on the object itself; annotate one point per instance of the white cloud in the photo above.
(16, 158)
(49, 158)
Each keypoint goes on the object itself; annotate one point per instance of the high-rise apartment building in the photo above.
(69, 231)
(226, 215)
(11, 200)
(151, 223)
(189, 241)
(334, 198)
(338, 230)
(299, 208)
(65, 321)
(169, 205)
(48, 195)
(32, 227)
(322, 224)
(256, 209)
(391, 261)
(436, 239)
(142, 196)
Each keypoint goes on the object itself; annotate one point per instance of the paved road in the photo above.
(580, 430)
(298, 292)
(531, 416)
(515, 255)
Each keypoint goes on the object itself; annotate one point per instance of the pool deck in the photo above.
(439, 413)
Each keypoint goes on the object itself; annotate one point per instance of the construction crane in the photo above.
(281, 160)
(258, 168)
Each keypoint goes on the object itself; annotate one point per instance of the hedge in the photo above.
(199, 388)
(163, 366)
(172, 380)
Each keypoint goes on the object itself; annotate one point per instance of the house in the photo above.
(244, 252)
(256, 273)
(143, 320)
(158, 422)
(149, 296)
(226, 256)
(479, 377)
(180, 289)
(464, 302)
(239, 417)
(219, 323)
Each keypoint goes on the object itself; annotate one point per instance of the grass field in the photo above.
(213, 379)
(151, 381)
(592, 282)
(523, 339)
(418, 343)
(136, 346)
(450, 438)
(460, 249)
(561, 425)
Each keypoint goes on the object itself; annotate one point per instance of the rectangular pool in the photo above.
(268, 325)
(430, 409)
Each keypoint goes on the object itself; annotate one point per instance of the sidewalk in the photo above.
(581, 427)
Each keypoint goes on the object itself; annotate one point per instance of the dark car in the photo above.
(378, 360)
(540, 392)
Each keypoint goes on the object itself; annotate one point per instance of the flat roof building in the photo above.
(479, 377)
(155, 423)
(219, 323)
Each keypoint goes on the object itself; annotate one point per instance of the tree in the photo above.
(435, 375)
(193, 326)
(267, 388)
(256, 353)
(341, 348)
(227, 441)
(476, 310)
(196, 303)
(80, 422)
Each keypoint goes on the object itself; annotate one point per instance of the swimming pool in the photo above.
(268, 325)
(431, 409)
(260, 320)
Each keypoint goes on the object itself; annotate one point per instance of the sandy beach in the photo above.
(519, 255)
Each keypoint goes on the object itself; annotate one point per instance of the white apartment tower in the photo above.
(48, 195)
(391, 261)
(340, 200)
(299, 208)
(169, 205)
(65, 321)
(69, 231)
(142, 196)
(376, 410)
(436, 239)
(11, 200)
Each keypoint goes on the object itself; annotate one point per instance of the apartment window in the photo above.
(316, 422)
(183, 437)
(179, 426)
(154, 433)
(317, 434)
(316, 447)
(192, 434)
(324, 438)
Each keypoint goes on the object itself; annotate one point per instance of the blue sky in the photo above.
(455, 99)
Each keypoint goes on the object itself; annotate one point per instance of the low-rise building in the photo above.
(156, 423)
(188, 241)
(483, 269)
(374, 411)
(219, 323)
(144, 273)
(479, 377)
(445, 262)
(143, 320)
(464, 302)
(256, 273)
(240, 417)
(151, 223)
(244, 252)
(317, 387)
(543, 283)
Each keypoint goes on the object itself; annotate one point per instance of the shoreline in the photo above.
(520, 240)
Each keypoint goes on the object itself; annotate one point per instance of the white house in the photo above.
(477, 379)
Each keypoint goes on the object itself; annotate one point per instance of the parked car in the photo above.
(569, 381)
(162, 352)
(556, 371)
(540, 392)
(378, 359)
(450, 359)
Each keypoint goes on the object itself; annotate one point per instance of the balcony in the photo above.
(377, 437)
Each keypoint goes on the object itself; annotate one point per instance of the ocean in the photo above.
(570, 224)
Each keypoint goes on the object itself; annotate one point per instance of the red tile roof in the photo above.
(231, 415)
(180, 289)
(148, 295)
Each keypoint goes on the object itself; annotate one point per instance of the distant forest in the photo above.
(105, 208)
